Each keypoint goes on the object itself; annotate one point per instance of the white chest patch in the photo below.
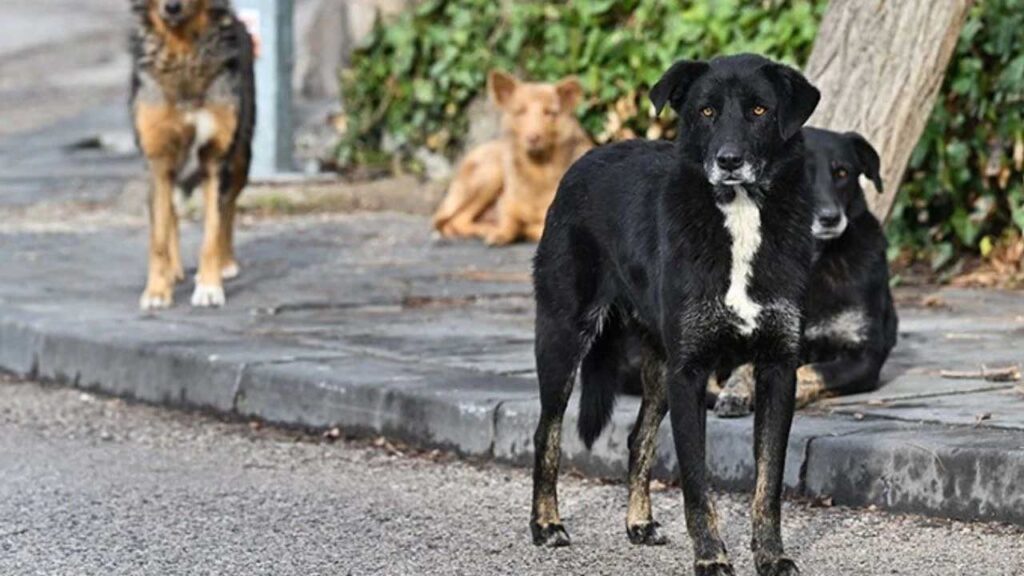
(743, 222)
(205, 125)
(848, 327)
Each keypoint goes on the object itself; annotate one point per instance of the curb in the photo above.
(954, 472)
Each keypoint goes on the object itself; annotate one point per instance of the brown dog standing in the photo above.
(193, 106)
(520, 172)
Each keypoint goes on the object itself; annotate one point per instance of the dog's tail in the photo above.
(603, 373)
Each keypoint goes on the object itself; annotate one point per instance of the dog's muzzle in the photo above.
(744, 173)
(829, 227)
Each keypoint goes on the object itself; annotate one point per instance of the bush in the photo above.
(964, 188)
(410, 87)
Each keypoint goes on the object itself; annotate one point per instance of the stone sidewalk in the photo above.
(365, 322)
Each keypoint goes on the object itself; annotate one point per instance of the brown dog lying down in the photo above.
(518, 173)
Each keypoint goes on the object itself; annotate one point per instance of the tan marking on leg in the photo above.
(546, 504)
(809, 386)
(737, 396)
(226, 240)
(652, 412)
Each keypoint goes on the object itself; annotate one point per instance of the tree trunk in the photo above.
(879, 65)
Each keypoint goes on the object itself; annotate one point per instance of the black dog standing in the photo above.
(702, 249)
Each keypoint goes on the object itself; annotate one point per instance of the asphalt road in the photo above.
(92, 485)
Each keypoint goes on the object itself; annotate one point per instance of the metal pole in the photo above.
(270, 21)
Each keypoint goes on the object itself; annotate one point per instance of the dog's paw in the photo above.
(810, 385)
(713, 568)
(498, 239)
(549, 536)
(648, 534)
(732, 405)
(208, 296)
(781, 566)
(230, 271)
(156, 297)
(151, 300)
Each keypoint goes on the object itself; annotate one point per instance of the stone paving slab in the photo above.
(366, 322)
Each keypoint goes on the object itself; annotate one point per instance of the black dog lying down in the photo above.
(702, 249)
(850, 320)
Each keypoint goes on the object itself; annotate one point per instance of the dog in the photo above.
(519, 172)
(851, 320)
(193, 106)
(702, 248)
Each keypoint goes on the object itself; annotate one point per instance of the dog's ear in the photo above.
(675, 83)
(570, 92)
(501, 85)
(796, 96)
(868, 159)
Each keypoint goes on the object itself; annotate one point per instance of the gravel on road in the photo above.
(94, 485)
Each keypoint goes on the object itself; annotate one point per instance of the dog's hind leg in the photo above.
(560, 345)
(226, 238)
(640, 525)
(475, 188)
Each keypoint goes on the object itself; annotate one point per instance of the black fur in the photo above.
(851, 272)
(636, 246)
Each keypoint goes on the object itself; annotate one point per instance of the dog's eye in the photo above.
(707, 111)
(841, 173)
(759, 110)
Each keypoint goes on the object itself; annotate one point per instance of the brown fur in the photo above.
(192, 95)
(518, 173)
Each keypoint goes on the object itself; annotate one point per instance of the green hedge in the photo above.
(410, 87)
(417, 76)
(964, 189)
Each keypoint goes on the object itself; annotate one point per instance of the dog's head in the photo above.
(537, 116)
(736, 113)
(176, 13)
(834, 165)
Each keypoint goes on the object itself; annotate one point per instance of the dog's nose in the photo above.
(173, 7)
(830, 219)
(729, 158)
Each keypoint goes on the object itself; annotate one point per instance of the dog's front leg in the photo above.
(773, 416)
(209, 291)
(217, 129)
(851, 373)
(687, 384)
(160, 282)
